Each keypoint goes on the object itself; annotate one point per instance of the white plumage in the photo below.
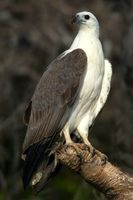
(96, 82)
(68, 97)
(105, 86)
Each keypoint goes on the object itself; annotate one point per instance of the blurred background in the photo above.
(32, 34)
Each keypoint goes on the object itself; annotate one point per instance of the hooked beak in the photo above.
(75, 19)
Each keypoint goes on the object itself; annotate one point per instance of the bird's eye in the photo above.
(87, 17)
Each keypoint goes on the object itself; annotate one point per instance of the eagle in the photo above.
(67, 99)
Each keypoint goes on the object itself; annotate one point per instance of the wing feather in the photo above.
(48, 112)
(55, 92)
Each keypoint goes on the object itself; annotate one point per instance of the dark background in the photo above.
(32, 34)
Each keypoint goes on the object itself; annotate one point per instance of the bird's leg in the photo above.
(87, 142)
(83, 132)
(67, 136)
(69, 141)
(92, 150)
(103, 157)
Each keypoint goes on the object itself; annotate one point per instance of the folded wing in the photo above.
(49, 109)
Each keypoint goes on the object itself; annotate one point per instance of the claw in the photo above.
(102, 156)
(80, 157)
(72, 144)
(91, 149)
(76, 148)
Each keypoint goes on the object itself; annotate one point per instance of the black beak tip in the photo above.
(74, 19)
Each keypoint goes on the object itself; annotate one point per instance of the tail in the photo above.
(46, 174)
(39, 164)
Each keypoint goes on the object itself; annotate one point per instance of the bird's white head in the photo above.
(86, 20)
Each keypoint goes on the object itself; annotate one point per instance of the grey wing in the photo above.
(54, 93)
(46, 114)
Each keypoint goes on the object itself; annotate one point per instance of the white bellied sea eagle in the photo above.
(68, 97)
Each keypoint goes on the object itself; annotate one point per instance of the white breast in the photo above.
(92, 83)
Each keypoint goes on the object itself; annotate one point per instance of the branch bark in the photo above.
(110, 180)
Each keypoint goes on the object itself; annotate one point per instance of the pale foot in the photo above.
(102, 156)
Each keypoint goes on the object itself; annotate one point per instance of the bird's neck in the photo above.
(84, 37)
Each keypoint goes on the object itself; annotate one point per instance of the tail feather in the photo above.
(47, 174)
(39, 157)
(34, 157)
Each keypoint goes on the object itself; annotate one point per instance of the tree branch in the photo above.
(107, 178)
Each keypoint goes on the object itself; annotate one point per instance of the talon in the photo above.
(102, 156)
(80, 157)
(66, 146)
(75, 147)
(69, 145)
(104, 159)
(91, 149)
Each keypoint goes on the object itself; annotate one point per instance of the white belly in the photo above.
(92, 82)
(87, 98)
